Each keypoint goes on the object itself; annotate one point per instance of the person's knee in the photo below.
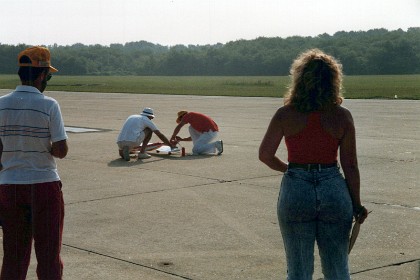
(197, 150)
(201, 149)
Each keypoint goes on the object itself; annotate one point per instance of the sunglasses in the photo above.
(49, 76)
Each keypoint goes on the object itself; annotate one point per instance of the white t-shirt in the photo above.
(133, 126)
(29, 123)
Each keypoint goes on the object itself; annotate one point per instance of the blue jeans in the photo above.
(315, 206)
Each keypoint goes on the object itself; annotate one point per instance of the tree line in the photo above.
(373, 52)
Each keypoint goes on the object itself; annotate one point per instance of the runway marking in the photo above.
(74, 129)
(397, 205)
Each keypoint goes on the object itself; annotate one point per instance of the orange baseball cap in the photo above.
(38, 56)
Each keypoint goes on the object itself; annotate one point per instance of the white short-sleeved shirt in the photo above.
(29, 123)
(133, 126)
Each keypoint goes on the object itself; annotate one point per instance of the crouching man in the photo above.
(138, 130)
(203, 130)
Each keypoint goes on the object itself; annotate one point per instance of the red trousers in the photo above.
(32, 213)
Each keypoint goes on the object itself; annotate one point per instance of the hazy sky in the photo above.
(196, 22)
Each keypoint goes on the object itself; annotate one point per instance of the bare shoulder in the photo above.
(344, 114)
(290, 120)
(337, 121)
(344, 120)
(343, 109)
(285, 115)
(285, 112)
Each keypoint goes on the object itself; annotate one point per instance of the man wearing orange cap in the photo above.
(203, 130)
(31, 201)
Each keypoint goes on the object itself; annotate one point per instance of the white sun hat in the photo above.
(148, 112)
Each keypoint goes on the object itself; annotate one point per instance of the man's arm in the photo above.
(59, 149)
(176, 131)
(178, 139)
(163, 138)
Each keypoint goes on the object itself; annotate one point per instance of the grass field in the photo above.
(360, 87)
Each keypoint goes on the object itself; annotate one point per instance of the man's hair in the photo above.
(316, 82)
(27, 73)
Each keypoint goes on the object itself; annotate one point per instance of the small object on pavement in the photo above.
(167, 150)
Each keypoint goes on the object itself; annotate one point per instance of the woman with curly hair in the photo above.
(316, 202)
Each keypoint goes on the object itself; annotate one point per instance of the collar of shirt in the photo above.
(27, 89)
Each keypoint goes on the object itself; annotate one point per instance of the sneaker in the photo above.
(126, 153)
(219, 147)
(144, 156)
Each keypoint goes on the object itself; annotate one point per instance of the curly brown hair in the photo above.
(316, 82)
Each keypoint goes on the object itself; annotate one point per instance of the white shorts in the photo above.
(132, 144)
(203, 142)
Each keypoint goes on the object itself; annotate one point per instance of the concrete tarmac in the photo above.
(214, 217)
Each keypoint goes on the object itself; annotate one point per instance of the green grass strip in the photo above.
(355, 87)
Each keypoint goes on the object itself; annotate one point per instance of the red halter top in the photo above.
(312, 144)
